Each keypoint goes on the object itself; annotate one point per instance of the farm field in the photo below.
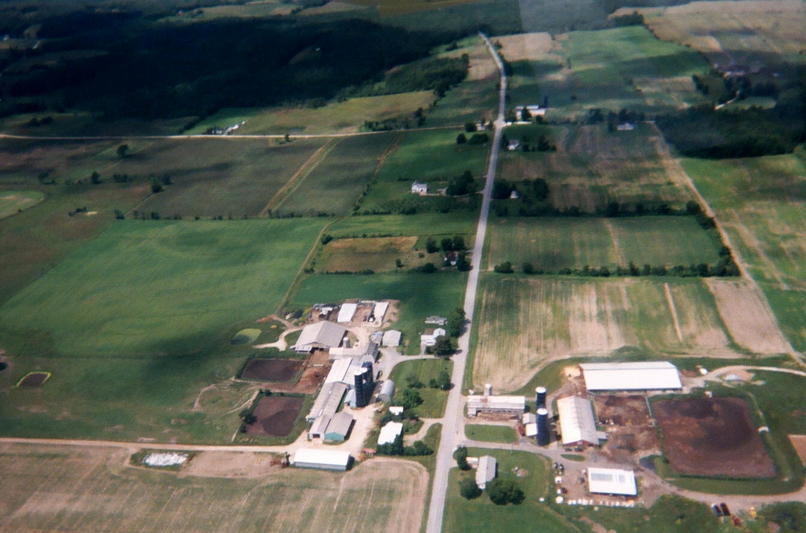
(335, 117)
(556, 243)
(765, 221)
(335, 185)
(745, 33)
(79, 123)
(490, 433)
(435, 225)
(74, 489)
(13, 202)
(420, 295)
(593, 167)
(429, 156)
(423, 370)
(526, 322)
(157, 288)
(378, 254)
(480, 514)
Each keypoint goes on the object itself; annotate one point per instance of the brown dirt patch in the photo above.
(799, 443)
(275, 415)
(33, 380)
(629, 426)
(271, 369)
(712, 437)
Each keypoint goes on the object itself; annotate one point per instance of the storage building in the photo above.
(611, 481)
(648, 375)
(387, 391)
(339, 427)
(495, 404)
(391, 338)
(321, 459)
(379, 311)
(485, 472)
(328, 400)
(577, 425)
(346, 312)
(319, 427)
(320, 335)
(390, 432)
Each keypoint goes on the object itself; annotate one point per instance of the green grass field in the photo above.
(524, 322)
(151, 288)
(424, 370)
(488, 433)
(43, 486)
(764, 219)
(335, 185)
(482, 515)
(556, 243)
(593, 167)
(429, 156)
(379, 254)
(436, 225)
(13, 202)
(420, 295)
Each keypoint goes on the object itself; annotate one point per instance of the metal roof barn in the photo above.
(612, 481)
(495, 404)
(321, 334)
(321, 459)
(391, 338)
(576, 421)
(390, 432)
(485, 472)
(339, 427)
(346, 312)
(649, 375)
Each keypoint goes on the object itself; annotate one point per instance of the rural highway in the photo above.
(452, 426)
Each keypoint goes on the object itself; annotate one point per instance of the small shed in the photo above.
(419, 188)
(321, 459)
(339, 427)
(485, 472)
(390, 432)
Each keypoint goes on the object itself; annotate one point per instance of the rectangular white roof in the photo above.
(380, 311)
(485, 472)
(391, 338)
(389, 432)
(339, 370)
(648, 375)
(321, 457)
(530, 429)
(346, 312)
(322, 333)
(612, 481)
(576, 420)
(497, 402)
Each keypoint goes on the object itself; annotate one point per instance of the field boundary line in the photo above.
(298, 177)
(669, 300)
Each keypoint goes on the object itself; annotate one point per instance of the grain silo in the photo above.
(540, 397)
(543, 427)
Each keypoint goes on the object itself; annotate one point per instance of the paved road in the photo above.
(452, 423)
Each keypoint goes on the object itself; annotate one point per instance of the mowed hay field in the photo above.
(733, 32)
(556, 243)
(526, 322)
(13, 202)
(76, 489)
(336, 183)
(336, 117)
(378, 254)
(593, 167)
(151, 288)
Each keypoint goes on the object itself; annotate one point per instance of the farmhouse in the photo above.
(338, 428)
(577, 425)
(321, 459)
(485, 472)
(419, 188)
(390, 432)
(649, 375)
(611, 481)
(429, 336)
(514, 405)
(320, 335)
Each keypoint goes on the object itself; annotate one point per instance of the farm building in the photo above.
(419, 188)
(396, 409)
(390, 432)
(648, 375)
(485, 472)
(319, 427)
(387, 391)
(370, 350)
(320, 335)
(495, 404)
(346, 312)
(577, 424)
(611, 481)
(436, 320)
(378, 312)
(338, 428)
(391, 338)
(321, 459)
(429, 336)
(328, 401)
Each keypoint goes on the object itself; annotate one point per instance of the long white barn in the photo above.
(648, 375)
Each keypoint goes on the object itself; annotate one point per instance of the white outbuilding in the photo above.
(321, 459)
(485, 472)
(346, 312)
(391, 338)
(514, 405)
(577, 425)
(645, 375)
(390, 432)
(612, 481)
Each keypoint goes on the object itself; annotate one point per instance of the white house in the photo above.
(419, 188)
(429, 336)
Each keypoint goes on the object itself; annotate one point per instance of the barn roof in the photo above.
(339, 425)
(321, 457)
(646, 375)
(485, 472)
(346, 312)
(576, 420)
(612, 481)
(323, 333)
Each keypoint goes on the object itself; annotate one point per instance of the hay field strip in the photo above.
(526, 322)
(13, 202)
(53, 488)
(556, 243)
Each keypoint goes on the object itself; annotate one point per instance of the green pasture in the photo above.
(13, 202)
(556, 243)
(490, 433)
(157, 288)
(420, 295)
(82, 123)
(424, 370)
(427, 156)
(246, 336)
(481, 515)
(336, 184)
(436, 225)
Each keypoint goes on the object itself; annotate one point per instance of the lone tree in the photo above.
(122, 150)
(444, 346)
(461, 458)
(468, 489)
(456, 321)
(504, 491)
(461, 138)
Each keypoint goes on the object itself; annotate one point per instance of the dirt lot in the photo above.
(33, 380)
(271, 369)
(275, 415)
(629, 427)
(712, 437)
(799, 443)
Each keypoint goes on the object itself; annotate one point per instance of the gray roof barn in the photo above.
(322, 334)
